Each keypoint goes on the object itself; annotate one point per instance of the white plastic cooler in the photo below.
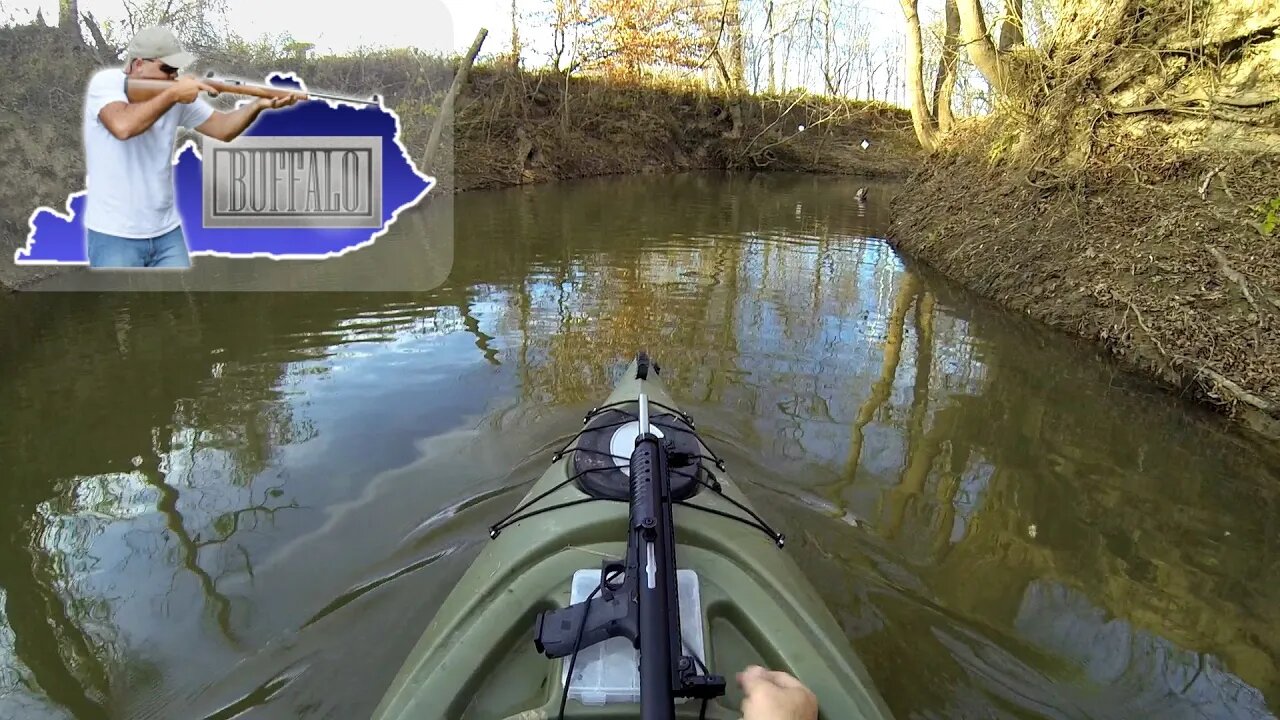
(609, 672)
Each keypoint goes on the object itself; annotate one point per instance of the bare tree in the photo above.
(561, 19)
(770, 37)
(945, 79)
(974, 36)
(199, 24)
(515, 36)
(736, 62)
(69, 20)
(1011, 30)
(921, 119)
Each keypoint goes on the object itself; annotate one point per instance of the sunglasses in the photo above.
(166, 69)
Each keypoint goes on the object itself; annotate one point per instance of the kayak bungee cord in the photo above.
(686, 417)
(676, 460)
(510, 518)
(714, 486)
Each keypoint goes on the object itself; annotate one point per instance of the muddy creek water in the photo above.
(225, 505)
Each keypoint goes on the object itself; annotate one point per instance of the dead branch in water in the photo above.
(1223, 382)
(1240, 393)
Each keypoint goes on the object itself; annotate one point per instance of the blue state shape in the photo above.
(59, 238)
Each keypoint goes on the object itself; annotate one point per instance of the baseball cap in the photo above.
(160, 43)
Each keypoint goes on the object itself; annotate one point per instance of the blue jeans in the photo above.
(163, 251)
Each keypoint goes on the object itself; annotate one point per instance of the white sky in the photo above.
(432, 25)
(435, 26)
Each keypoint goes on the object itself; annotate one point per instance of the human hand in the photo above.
(772, 695)
(187, 88)
(280, 101)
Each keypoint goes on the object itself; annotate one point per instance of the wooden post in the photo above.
(446, 108)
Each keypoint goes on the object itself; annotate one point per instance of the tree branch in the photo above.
(1234, 276)
(105, 50)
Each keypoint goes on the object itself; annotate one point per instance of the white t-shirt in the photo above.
(130, 182)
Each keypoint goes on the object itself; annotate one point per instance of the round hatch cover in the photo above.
(602, 455)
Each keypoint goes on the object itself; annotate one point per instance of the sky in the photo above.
(434, 26)
(431, 25)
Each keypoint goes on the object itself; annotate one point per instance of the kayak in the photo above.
(743, 601)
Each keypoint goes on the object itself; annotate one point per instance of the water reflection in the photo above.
(221, 503)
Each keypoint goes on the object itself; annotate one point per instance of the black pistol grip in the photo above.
(556, 631)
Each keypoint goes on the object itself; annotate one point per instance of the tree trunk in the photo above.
(737, 55)
(768, 31)
(826, 48)
(1011, 32)
(515, 37)
(446, 107)
(973, 34)
(920, 117)
(945, 81)
(786, 62)
(69, 20)
(106, 53)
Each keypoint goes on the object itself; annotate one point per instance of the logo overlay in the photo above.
(313, 181)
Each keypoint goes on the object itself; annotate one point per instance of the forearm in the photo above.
(137, 118)
(239, 120)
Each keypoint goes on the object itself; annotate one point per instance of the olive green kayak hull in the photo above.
(477, 657)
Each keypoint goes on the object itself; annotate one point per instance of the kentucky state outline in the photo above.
(58, 238)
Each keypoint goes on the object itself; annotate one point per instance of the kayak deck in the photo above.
(477, 657)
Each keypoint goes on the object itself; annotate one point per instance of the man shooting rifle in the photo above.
(131, 219)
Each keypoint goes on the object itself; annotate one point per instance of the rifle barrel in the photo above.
(140, 89)
(651, 519)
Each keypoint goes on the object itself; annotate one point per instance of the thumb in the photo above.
(751, 678)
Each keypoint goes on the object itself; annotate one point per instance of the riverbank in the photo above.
(510, 128)
(1170, 260)
(1125, 190)
(515, 128)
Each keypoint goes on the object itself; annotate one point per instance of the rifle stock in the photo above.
(143, 89)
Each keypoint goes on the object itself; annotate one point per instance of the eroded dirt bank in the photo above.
(1176, 282)
(514, 128)
(1127, 189)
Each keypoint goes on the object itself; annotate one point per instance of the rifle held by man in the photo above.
(141, 90)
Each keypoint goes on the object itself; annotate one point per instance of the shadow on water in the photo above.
(250, 505)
